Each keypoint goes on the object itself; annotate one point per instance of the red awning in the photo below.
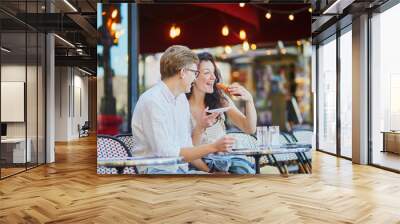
(247, 14)
(201, 24)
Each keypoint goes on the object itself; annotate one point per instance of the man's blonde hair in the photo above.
(174, 59)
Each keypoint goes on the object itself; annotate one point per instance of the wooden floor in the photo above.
(10, 171)
(70, 191)
(5, 172)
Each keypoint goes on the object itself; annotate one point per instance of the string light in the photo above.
(246, 45)
(241, 5)
(228, 49)
(225, 31)
(283, 50)
(268, 52)
(174, 31)
(242, 34)
(268, 15)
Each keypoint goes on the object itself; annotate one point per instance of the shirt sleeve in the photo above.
(190, 124)
(155, 130)
(189, 141)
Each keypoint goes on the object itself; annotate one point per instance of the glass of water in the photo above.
(274, 135)
(262, 136)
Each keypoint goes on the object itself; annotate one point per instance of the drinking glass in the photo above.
(274, 135)
(262, 136)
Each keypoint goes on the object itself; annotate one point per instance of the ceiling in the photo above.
(76, 25)
(332, 15)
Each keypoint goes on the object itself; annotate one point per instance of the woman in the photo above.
(205, 95)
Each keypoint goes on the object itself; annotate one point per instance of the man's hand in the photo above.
(224, 144)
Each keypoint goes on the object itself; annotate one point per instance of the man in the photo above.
(161, 120)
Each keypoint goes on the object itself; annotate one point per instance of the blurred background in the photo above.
(264, 47)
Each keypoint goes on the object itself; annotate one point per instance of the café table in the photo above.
(121, 163)
(259, 151)
(256, 152)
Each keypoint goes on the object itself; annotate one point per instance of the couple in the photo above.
(166, 122)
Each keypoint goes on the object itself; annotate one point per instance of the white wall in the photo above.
(71, 94)
(80, 96)
(61, 103)
(12, 73)
(33, 126)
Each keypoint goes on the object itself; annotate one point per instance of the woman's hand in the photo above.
(206, 120)
(240, 92)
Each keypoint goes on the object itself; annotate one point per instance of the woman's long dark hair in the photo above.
(216, 99)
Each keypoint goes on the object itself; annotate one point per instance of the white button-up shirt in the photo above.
(161, 123)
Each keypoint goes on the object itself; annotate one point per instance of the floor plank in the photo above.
(70, 191)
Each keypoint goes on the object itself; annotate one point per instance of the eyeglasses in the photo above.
(196, 73)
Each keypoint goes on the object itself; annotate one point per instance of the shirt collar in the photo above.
(167, 93)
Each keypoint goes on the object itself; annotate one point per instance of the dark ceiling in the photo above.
(77, 27)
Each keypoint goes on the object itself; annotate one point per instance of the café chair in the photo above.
(83, 131)
(287, 161)
(304, 136)
(111, 147)
(128, 140)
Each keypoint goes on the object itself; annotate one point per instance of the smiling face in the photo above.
(205, 81)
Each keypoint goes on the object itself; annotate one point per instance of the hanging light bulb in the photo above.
(253, 46)
(225, 31)
(241, 5)
(246, 45)
(242, 34)
(177, 31)
(310, 9)
(174, 31)
(228, 49)
(268, 15)
(114, 13)
(283, 50)
(298, 42)
(291, 17)
(268, 52)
